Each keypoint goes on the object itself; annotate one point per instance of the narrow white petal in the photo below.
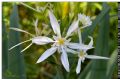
(83, 27)
(96, 57)
(64, 60)
(71, 51)
(78, 46)
(80, 36)
(73, 45)
(55, 37)
(40, 40)
(91, 42)
(19, 44)
(72, 28)
(26, 47)
(78, 66)
(20, 30)
(46, 54)
(54, 24)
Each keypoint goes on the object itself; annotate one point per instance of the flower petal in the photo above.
(78, 46)
(96, 57)
(46, 54)
(73, 45)
(19, 44)
(72, 28)
(26, 48)
(80, 36)
(78, 66)
(71, 51)
(55, 37)
(54, 24)
(64, 60)
(91, 42)
(41, 40)
(20, 30)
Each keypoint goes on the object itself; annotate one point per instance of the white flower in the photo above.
(59, 43)
(82, 52)
(84, 20)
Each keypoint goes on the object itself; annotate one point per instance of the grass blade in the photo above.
(4, 51)
(16, 61)
(112, 64)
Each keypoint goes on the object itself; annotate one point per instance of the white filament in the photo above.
(19, 44)
(26, 47)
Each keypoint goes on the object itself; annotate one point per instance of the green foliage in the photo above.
(111, 65)
(16, 66)
(4, 50)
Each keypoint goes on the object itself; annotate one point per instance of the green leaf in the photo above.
(89, 30)
(59, 74)
(112, 63)
(85, 71)
(97, 69)
(16, 66)
(4, 50)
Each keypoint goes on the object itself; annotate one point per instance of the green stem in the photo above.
(29, 7)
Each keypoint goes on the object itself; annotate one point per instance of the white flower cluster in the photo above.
(63, 44)
(85, 20)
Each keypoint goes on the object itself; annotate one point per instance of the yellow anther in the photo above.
(61, 41)
(82, 54)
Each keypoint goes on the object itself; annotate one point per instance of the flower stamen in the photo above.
(82, 54)
(61, 41)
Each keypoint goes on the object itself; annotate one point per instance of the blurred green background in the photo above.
(16, 65)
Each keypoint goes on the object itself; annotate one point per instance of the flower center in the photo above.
(82, 54)
(61, 41)
(83, 21)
